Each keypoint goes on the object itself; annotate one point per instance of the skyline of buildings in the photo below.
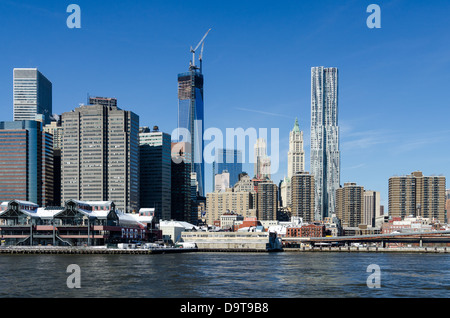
(370, 156)
(106, 155)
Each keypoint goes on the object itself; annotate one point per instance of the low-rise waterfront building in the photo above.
(309, 230)
(77, 223)
(220, 241)
(171, 230)
(408, 224)
(362, 229)
(280, 227)
(379, 221)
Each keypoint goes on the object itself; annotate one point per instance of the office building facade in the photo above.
(239, 202)
(32, 95)
(222, 181)
(229, 160)
(372, 207)
(244, 184)
(104, 101)
(100, 156)
(55, 129)
(26, 163)
(181, 200)
(155, 171)
(325, 156)
(285, 193)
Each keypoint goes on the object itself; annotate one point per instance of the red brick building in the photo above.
(310, 230)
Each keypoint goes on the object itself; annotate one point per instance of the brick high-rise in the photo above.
(417, 195)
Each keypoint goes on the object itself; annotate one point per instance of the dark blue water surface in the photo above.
(227, 275)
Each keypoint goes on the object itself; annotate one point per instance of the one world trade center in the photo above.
(191, 116)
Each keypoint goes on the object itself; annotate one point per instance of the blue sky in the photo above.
(393, 82)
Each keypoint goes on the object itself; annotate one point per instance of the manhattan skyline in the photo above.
(257, 60)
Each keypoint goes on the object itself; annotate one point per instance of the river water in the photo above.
(227, 275)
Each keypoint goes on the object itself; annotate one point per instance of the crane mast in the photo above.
(192, 66)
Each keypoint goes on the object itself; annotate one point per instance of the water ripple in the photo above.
(226, 275)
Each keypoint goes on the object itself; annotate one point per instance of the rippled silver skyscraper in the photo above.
(325, 157)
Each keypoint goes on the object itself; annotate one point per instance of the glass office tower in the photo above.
(325, 157)
(32, 95)
(155, 171)
(191, 118)
(228, 160)
(26, 156)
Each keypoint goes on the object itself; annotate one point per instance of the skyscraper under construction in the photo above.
(191, 115)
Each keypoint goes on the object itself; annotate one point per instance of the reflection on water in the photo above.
(226, 275)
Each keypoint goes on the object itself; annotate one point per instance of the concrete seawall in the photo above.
(371, 249)
(91, 250)
(94, 250)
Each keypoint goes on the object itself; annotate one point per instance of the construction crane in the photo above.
(193, 51)
(200, 57)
